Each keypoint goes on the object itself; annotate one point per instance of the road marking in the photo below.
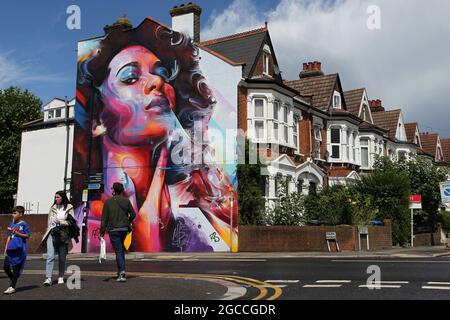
(333, 281)
(259, 285)
(278, 285)
(389, 261)
(390, 282)
(435, 288)
(381, 286)
(322, 286)
(282, 281)
(439, 283)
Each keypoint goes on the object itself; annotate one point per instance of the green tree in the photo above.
(16, 108)
(251, 184)
(390, 190)
(340, 205)
(289, 210)
(424, 180)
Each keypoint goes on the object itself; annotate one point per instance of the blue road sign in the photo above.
(94, 186)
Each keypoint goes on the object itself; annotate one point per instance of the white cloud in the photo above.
(13, 72)
(406, 63)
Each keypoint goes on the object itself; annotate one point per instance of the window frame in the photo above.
(335, 144)
(266, 63)
(335, 95)
(366, 147)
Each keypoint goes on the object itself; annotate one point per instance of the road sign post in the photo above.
(415, 202)
(231, 219)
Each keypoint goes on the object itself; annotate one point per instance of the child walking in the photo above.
(16, 248)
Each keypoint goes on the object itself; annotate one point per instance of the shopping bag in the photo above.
(102, 255)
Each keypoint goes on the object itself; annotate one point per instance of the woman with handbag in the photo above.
(16, 248)
(58, 237)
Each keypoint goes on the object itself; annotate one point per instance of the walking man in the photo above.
(117, 216)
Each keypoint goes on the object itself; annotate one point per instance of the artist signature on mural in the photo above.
(214, 237)
(181, 234)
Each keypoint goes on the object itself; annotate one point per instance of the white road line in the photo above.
(381, 286)
(435, 288)
(276, 285)
(333, 281)
(282, 281)
(322, 286)
(439, 283)
(391, 282)
(389, 261)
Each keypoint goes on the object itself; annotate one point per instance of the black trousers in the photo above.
(12, 272)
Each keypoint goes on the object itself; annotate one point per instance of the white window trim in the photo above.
(337, 94)
(361, 146)
(262, 119)
(266, 63)
(336, 144)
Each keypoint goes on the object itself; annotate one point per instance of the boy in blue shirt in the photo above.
(16, 248)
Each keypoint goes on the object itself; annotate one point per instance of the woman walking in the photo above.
(58, 237)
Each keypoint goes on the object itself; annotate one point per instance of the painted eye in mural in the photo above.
(159, 70)
(129, 74)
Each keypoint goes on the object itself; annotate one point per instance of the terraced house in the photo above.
(315, 133)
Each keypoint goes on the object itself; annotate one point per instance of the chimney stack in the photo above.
(186, 19)
(121, 24)
(311, 69)
(376, 105)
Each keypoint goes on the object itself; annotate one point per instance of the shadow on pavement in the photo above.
(114, 278)
(27, 288)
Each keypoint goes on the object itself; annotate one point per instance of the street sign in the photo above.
(415, 201)
(363, 230)
(330, 235)
(445, 192)
(96, 177)
(94, 186)
(85, 195)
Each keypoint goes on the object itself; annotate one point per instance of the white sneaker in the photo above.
(10, 290)
(48, 282)
(60, 280)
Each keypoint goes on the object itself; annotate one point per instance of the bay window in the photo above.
(335, 143)
(364, 152)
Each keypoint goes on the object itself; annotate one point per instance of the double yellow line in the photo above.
(262, 287)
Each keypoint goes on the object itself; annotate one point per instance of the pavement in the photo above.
(418, 252)
(403, 273)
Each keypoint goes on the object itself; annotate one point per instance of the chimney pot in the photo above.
(311, 69)
(186, 18)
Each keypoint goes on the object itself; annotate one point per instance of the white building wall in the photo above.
(41, 171)
(184, 23)
(223, 79)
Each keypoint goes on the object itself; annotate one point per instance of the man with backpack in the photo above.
(117, 216)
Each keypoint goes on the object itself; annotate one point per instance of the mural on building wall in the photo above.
(143, 113)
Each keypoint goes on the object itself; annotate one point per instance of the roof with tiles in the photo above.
(240, 48)
(429, 142)
(339, 172)
(321, 89)
(411, 129)
(353, 100)
(445, 143)
(387, 120)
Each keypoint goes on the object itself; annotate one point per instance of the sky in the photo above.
(405, 63)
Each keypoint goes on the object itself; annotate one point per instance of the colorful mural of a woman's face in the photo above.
(137, 100)
(138, 90)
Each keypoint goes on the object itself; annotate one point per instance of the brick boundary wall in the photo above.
(256, 239)
(38, 226)
(309, 238)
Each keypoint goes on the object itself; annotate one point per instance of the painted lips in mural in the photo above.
(140, 93)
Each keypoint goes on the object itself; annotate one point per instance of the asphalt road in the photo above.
(247, 278)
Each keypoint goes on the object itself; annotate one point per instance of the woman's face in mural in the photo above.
(137, 100)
